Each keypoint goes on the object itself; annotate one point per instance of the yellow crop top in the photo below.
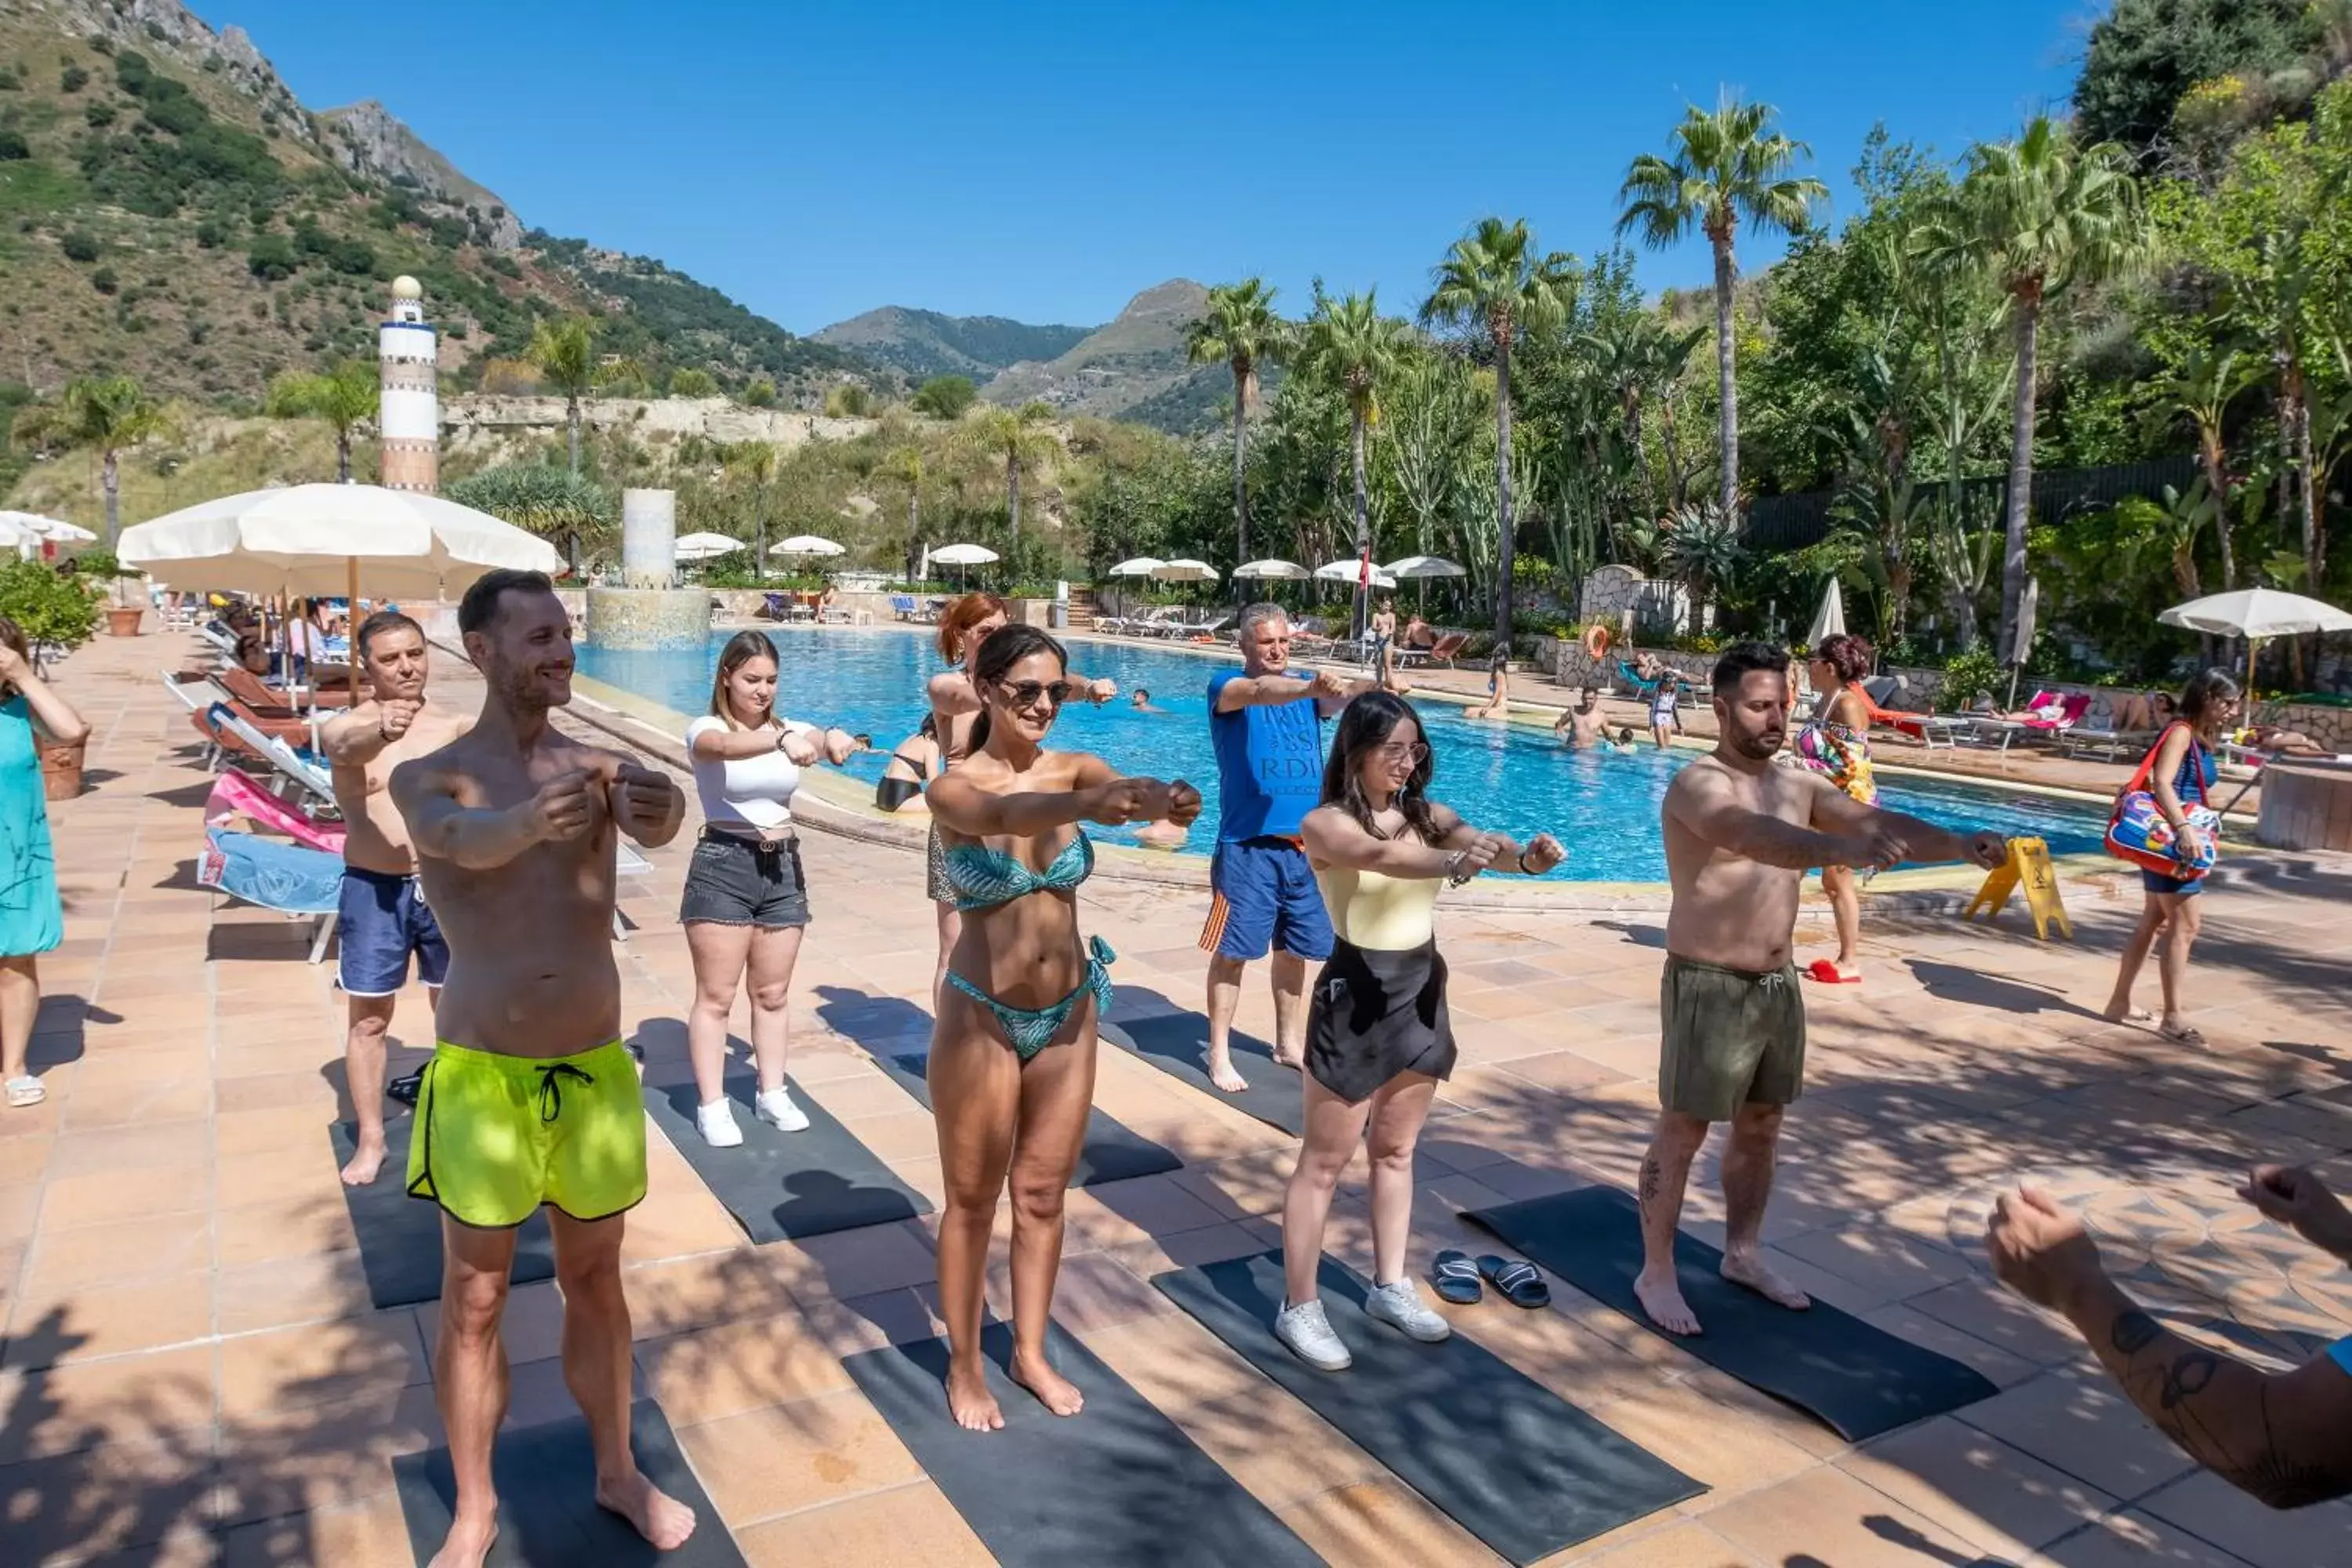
(1373, 910)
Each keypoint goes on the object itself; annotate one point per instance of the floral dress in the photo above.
(1839, 751)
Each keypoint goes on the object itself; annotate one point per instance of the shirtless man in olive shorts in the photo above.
(531, 1097)
(1741, 835)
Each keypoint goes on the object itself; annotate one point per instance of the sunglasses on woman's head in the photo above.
(1025, 693)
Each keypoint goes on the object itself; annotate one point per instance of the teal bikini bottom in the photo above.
(1032, 1029)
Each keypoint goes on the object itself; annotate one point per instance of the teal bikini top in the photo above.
(984, 877)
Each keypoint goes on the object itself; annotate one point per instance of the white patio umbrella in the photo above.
(1283, 570)
(807, 544)
(705, 546)
(1136, 566)
(962, 556)
(1184, 572)
(1422, 566)
(30, 531)
(1829, 621)
(1349, 570)
(2254, 614)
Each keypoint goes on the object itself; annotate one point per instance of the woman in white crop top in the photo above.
(745, 899)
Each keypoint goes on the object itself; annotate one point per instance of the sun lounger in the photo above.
(237, 794)
(903, 606)
(249, 689)
(2071, 710)
(299, 883)
(2115, 745)
(1881, 690)
(1205, 631)
(776, 608)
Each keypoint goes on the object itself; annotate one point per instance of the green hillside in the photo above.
(1135, 368)
(168, 209)
(926, 343)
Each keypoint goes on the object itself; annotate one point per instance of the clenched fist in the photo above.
(642, 798)
(564, 809)
(1130, 800)
(394, 715)
(1183, 804)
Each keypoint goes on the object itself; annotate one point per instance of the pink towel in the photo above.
(237, 794)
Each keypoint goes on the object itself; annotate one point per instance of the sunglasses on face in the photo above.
(1025, 693)
(1401, 756)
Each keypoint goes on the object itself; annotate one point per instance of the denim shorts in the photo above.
(382, 919)
(737, 881)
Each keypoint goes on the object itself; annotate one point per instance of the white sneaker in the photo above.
(776, 1107)
(716, 1122)
(1399, 1306)
(1307, 1333)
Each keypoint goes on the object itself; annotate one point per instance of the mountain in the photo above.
(1133, 368)
(169, 208)
(925, 343)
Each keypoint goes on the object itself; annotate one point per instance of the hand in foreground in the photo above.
(564, 809)
(2039, 1251)
(1542, 853)
(394, 715)
(1323, 683)
(1102, 690)
(1483, 850)
(642, 798)
(1873, 848)
(840, 745)
(1987, 849)
(1183, 804)
(1123, 801)
(2298, 1199)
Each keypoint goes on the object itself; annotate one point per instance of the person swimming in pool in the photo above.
(1582, 726)
(1141, 700)
(1013, 1052)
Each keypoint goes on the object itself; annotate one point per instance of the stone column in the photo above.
(648, 539)
(645, 612)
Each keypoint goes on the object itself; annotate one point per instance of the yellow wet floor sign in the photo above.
(2029, 867)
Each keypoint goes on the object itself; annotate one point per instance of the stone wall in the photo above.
(715, 418)
(647, 618)
(1631, 602)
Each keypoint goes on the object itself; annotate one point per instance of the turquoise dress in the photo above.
(32, 920)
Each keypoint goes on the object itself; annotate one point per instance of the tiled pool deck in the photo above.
(192, 1372)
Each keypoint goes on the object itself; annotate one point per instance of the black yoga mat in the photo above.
(1112, 1152)
(1858, 1380)
(1118, 1483)
(782, 1184)
(1516, 1465)
(547, 1517)
(1177, 1045)
(400, 1236)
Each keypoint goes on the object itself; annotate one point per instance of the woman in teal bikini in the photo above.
(1012, 1055)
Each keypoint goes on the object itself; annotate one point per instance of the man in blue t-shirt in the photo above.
(2282, 1438)
(1267, 722)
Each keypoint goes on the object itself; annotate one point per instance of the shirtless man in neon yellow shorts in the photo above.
(531, 1097)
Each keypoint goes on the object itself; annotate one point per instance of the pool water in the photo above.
(1513, 778)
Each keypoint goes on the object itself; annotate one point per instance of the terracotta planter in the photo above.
(122, 620)
(61, 768)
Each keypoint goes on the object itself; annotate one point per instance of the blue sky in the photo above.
(1045, 161)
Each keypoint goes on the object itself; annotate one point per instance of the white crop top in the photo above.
(750, 792)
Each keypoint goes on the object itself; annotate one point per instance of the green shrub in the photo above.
(78, 247)
(270, 257)
(73, 79)
(14, 147)
(760, 394)
(98, 116)
(1970, 676)
(104, 280)
(50, 607)
(945, 396)
(691, 382)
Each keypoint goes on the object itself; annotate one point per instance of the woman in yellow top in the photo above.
(1836, 742)
(1377, 1038)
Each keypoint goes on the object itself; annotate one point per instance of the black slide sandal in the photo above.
(1520, 1282)
(1456, 1278)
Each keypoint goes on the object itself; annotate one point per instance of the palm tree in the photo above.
(102, 414)
(1349, 344)
(1020, 440)
(565, 353)
(2044, 214)
(904, 465)
(1240, 328)
(540, 499)
(754, 462)
(1726, 166)
(1491, 281)
(1632, 353)
(2207, 383)
(342, 397)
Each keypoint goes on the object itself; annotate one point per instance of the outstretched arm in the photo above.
(1096, 793)
(1703, 804)
(1836, 812)
(1269, 691)
(2278, 1437)
(478, 837)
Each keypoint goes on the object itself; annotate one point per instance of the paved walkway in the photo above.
(193, 1373)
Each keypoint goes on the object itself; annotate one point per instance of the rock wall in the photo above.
(713, 418)
(1645, 607)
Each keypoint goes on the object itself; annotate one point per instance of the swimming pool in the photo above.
(1517, 779)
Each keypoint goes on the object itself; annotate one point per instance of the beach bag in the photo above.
(2139, 833)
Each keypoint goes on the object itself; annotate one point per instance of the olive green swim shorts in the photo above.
(1733, 1038)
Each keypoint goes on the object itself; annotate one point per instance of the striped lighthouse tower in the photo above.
(408, 417)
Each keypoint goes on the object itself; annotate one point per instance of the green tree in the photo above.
(2208, 379)
(1701, 546)
(2045, 214)
(106, 415)
(754, 463)
(2142, 57)
(689, 382)
(1349, 344)
(905, 464)
(1240, 330)
(1492, 282)
(539, 498)
(1727, 164)
(343, 398)
(945, 396)
(563, 352)
(1018, 438)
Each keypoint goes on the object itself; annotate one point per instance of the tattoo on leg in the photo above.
(2134, 1332)
(1652, 1177)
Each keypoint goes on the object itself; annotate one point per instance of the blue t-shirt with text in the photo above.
(1269, 764)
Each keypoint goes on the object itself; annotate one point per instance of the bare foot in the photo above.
(660, 1518)
(1222, 1074)
(1751, 1272)
(974, 1408)
(1662, 1301)
(1294, 1060)
(467, 1542)
(365, 1161)
(1054, 1391)
(2127, 1014)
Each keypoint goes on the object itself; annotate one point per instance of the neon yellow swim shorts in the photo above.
(497, 1136)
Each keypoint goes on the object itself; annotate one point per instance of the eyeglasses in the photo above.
(1416, 754)
(1025, 693)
